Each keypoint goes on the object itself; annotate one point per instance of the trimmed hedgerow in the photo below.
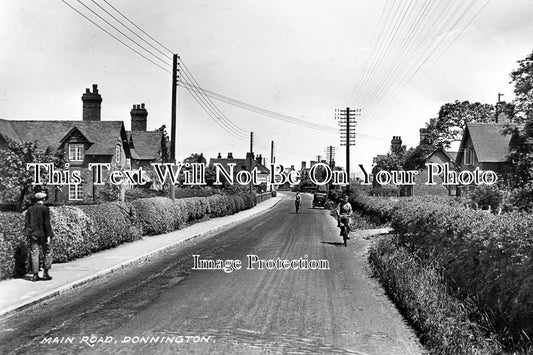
(158, 215)
(483, 256)
(443, 322)
(83, 229)
(13, 245)
(74, 235)
(112, 224)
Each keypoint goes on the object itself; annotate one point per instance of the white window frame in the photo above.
(75, 192)
(75, 152)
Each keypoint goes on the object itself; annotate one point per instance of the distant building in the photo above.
(249, 163)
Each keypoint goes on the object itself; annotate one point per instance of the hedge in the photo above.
(158, 215)
(442, 321)
(483, 256)
(13, 247)
(84, 229)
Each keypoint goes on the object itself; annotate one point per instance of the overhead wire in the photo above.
(445, 23)
(206, 104)
(446, 28)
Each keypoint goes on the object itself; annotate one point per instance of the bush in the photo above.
(487, 195)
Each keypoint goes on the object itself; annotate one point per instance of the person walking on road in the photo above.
(297, 201)
(39, 232)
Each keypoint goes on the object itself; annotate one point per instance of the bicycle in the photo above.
(345, 229)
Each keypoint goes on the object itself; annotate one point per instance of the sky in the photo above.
(398, 61)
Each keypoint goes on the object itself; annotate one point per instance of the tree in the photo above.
(389, 162)
(521, 149)
(523, 88)
(448, 126)
(13, 173)
(165, 154)
(415, 157)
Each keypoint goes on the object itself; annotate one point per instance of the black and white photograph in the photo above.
(266, 177)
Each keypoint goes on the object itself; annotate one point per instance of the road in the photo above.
(340, 310)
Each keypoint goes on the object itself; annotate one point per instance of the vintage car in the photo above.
(319, 199)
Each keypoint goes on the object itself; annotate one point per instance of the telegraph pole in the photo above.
(330, 156)
(347, 124)
(251, 156)
(175, 71)
(272, 161)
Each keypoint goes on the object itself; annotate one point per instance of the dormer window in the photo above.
(75, 152)
(117, 154)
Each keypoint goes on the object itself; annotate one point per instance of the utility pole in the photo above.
(330, 156)
(347, 124)
(175, 71)
(251, 156)
(272, 161)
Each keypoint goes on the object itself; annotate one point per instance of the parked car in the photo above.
(319, 199)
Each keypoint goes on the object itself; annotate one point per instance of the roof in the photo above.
(238, 164)
(103, 135)
(146, 145)
(490, 143)
(450, 155)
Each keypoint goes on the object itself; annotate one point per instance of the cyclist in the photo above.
(297, 201)
(344, 213)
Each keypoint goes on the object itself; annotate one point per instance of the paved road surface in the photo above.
(336, 311)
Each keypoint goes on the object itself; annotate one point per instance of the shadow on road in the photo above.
(333, 243)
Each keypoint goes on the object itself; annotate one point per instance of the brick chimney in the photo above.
(259, 159)
(230, 155)
(304, 164)
(92, 104)
(219, 156)
(138, 118)
(423, 135)
(396, 144)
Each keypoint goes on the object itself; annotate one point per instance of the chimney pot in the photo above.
(138, 118)
(142, 106)
(91, 104)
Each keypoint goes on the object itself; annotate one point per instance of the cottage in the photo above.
(88, 141)
(486, 146)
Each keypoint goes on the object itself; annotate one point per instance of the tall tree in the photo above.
(522, 78)
(522, 142)
(448, 126)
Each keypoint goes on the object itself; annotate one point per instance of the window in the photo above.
(469, 157)
(75, 192)
(117, 154)
(75, 152)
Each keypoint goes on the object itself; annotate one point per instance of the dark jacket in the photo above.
(38, 222)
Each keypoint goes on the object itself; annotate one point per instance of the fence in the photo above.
(263, 197)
